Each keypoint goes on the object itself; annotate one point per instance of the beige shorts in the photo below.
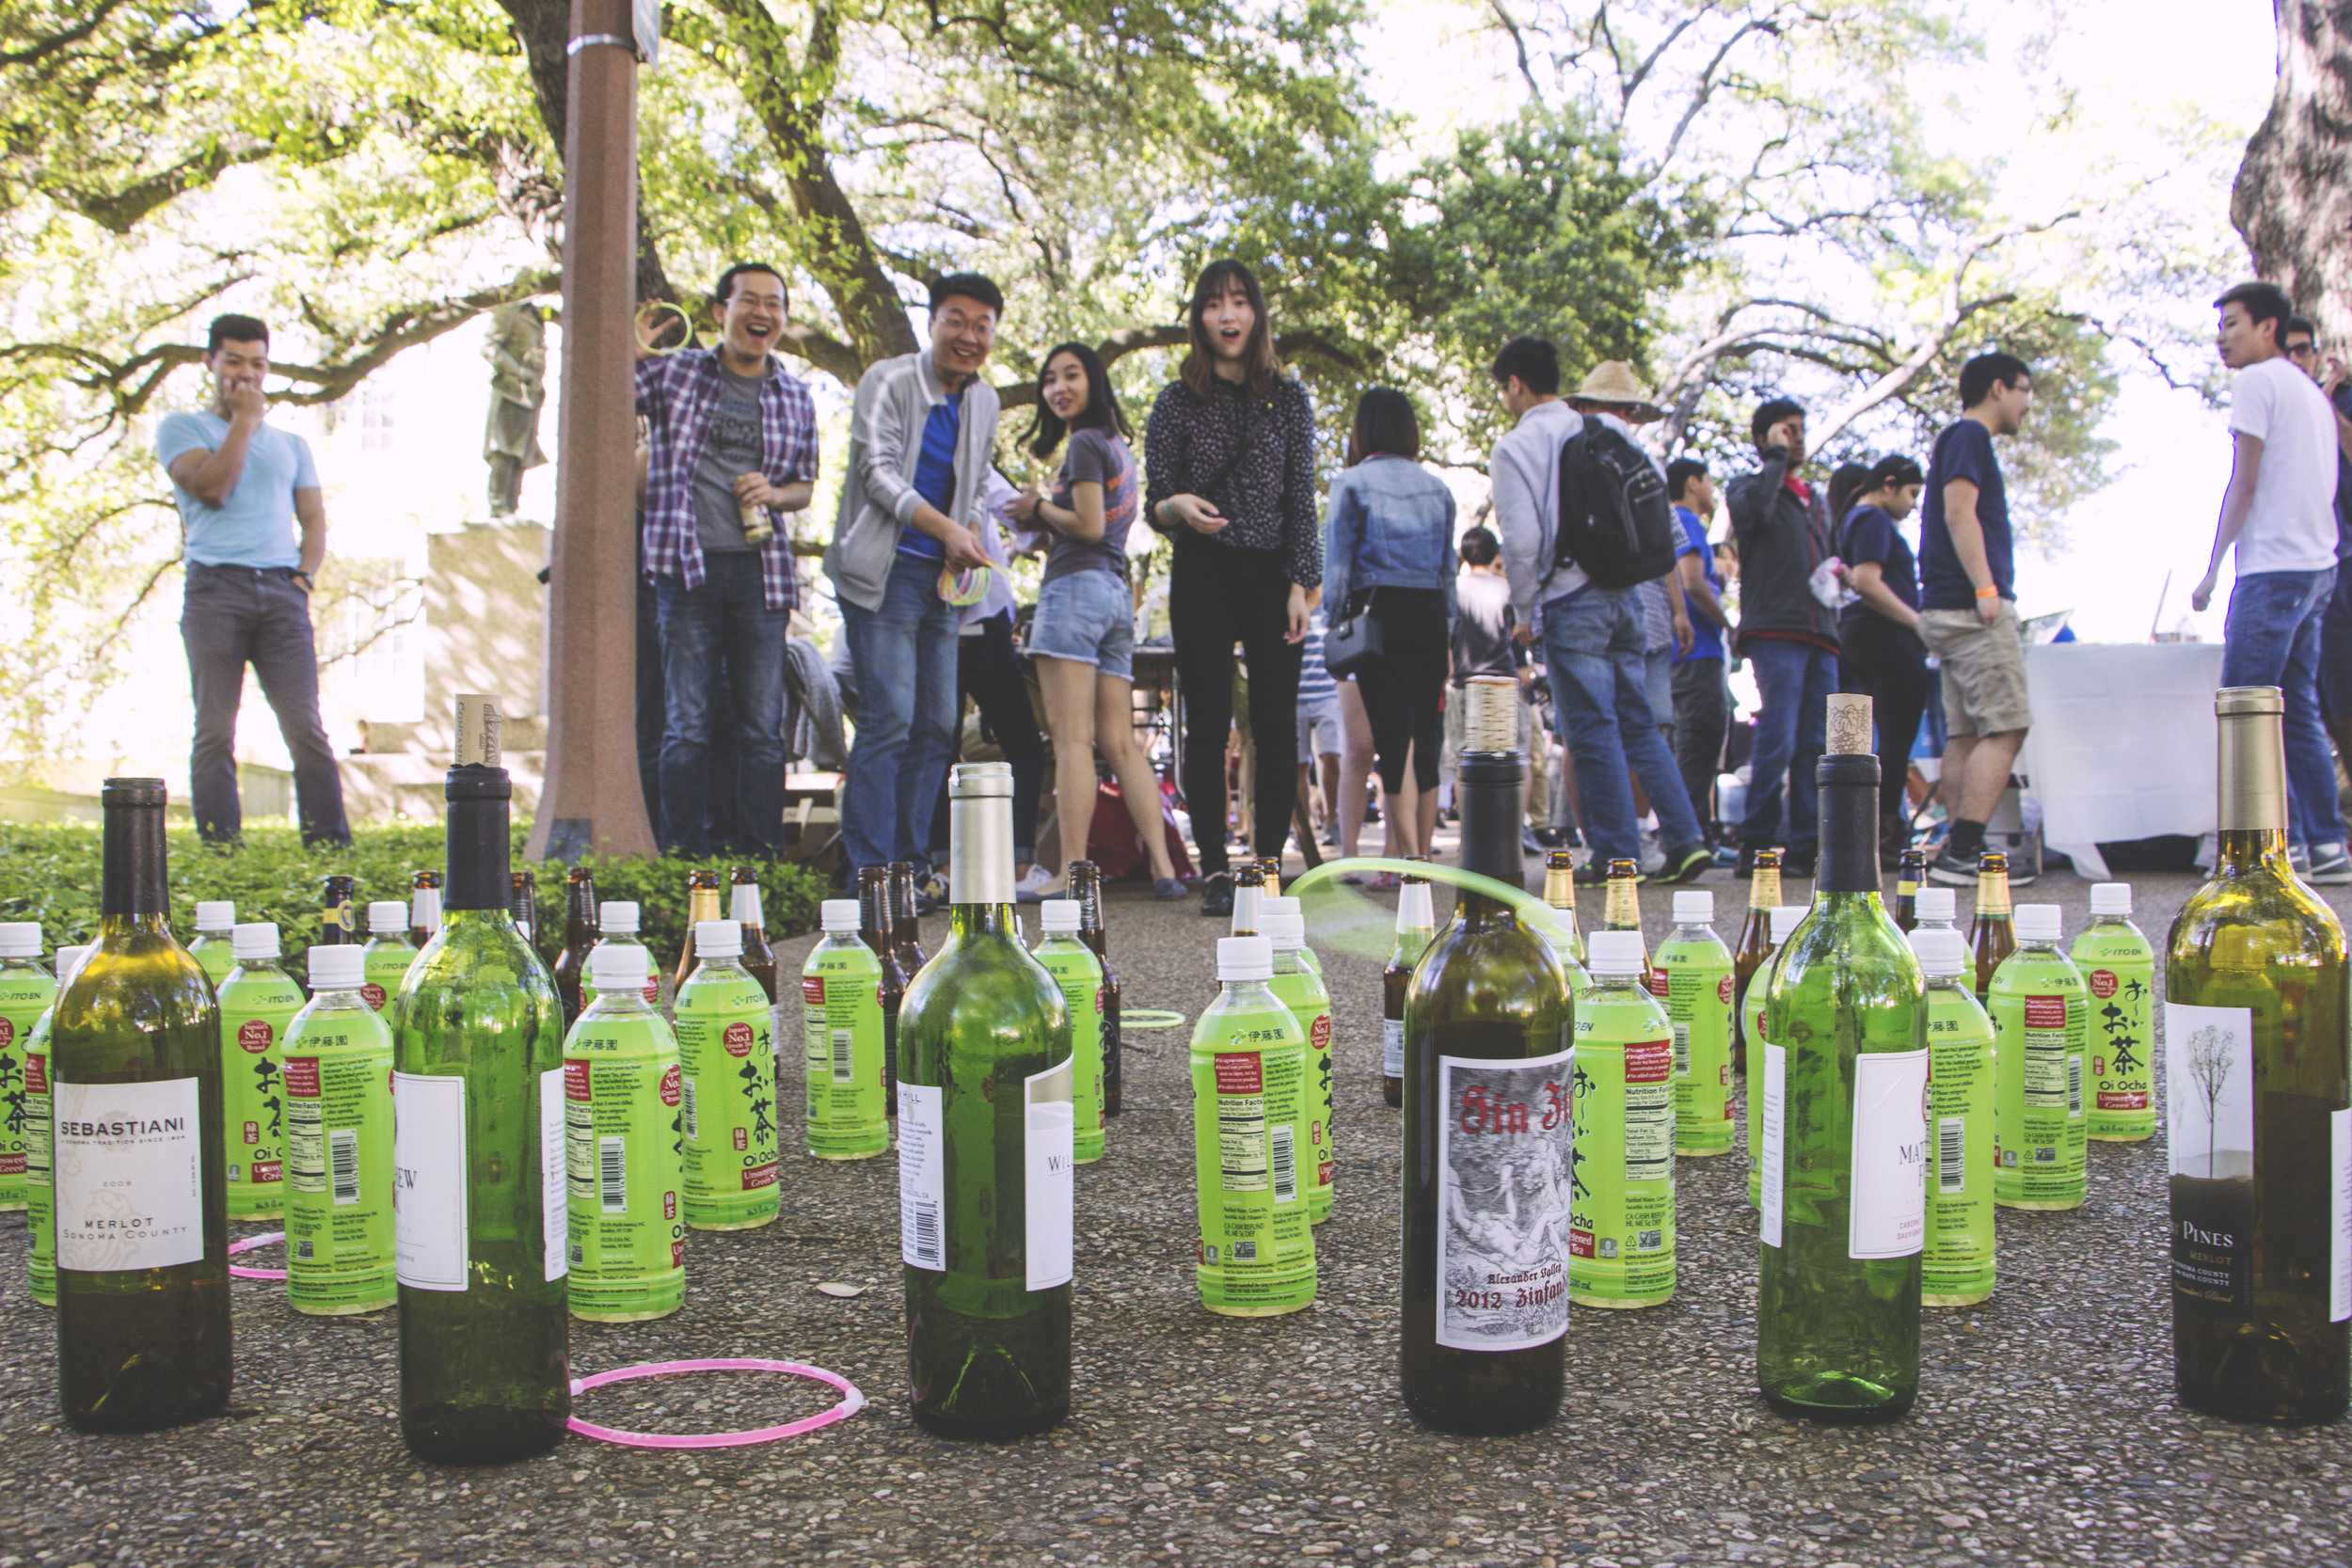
(1984, 670)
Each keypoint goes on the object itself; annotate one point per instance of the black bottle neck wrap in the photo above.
(1489, 789)
(480, 877)
(1850, 823)
(131, 880)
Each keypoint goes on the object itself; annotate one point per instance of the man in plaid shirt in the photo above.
(732, 441)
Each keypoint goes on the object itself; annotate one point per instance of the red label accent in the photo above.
(677, 1253)
(252, 1132)
(263, 1171)
(1649, 1062)
(302, 1077)
(813, 989)
(669, 1205)
(1580, 1243)
(742, 1140)
(2122, 1100)
(670, 1085)
(738, 1039)
(653, 993)
(374, 995)
(11, 1164)
(2046, 1012)
(576, 1081)
(254, 1034)
(7, 1032)
(2103, 984)
(1658, 982)
(1723, 990)
(37, 1074)
(1100, 992)
(758, 1177)
(1321, 1034)
(1240, 1072)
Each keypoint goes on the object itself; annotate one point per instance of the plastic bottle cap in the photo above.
(1694, 908)
(718, 938)
(1245, 958)
(254, 939)
(1614, 952)
(386, 916)
(1283, 921)
(619, 966)
(1939, 949)
(1935, 903)
(340, 967)
(1784, 920)
(617, 917)
(2110, 898)
(70, 964)
(2037, 922)
(1059, 916)
(215, 914)
(20, 939)
(840, 916)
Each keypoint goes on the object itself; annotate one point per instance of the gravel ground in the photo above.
(2045, 1431)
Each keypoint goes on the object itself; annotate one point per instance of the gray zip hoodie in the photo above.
(878, 497)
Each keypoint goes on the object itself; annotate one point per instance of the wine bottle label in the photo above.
(26, 993)
(1771, 1098)
(384, 965)
(1050, 1166)
(841, 1044)
(1956, 1265)
(2039, 1096)
(1699, 1007)
(1888, 1217)
(624, 1140)
(2209, 1131)
(1310, 1008)
(555, 1220)
(339, 1163)
(1752, 1005)
(2119, 970)
(922, 1175)
(1505, 1147)
(731, 1140)
(2339, 1215)
(1393, 1048)
(1621, 1194)
(429, 1190)
(129, 1174)
(255, 1013)
(1078, 974)
(41, 1191)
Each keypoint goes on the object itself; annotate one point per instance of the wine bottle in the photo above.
(2119, 968)
(1697, 967)
(1559, 892)
(424, 907)
(216, 918)
(879, 932)
(2258, 1108)
(1782, 920)
(906, 919)
(1301, 989)
(1256, 1255)
(616, 927)
(142, 1203)
(1956, 1269)
(386, 958)
(1621, 1174)
(580, 931)
(1075, 969)
(339, 1144)
(257, 1002)
(40, 1189)
(1488, 1050)
(1086, 886)
(1415, 927)
(725, 1043)
(2040, 1019)
(624, 1149)
(526, 891)
(1909, 875)
(987, 1118)
(338, 917)
(481, 1227)
(1756, 944)
(1993, 937)
(1844, 1081)
(701, 904)
(841, 1040)
(28, 989)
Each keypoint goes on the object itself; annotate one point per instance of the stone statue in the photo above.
(517, 352)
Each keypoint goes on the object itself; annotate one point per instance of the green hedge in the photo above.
(49, 873)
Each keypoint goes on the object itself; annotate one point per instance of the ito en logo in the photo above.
(2103, 984)
(738, 1039)
(254, 1034)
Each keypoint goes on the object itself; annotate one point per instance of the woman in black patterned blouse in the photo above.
(1228, 470)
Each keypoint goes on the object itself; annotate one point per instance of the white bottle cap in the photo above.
(342, 966)
(617, 917)
(619, 966)
(1694, 908)
(254, 939)
(1245, 958)
(1935, 904)
(387, 917)
(1784, 920)
(2110, 898)
(215, 914)
(2038, 923)
(20, 939)
(1059, 916)
(718, 938)
(838, 914)
(1283, 921)
(1939, 949)
(70, 960)
(1614, 952)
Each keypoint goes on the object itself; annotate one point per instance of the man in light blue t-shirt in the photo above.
(240, 487)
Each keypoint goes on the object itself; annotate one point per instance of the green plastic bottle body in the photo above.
(340, 1247)
(214, 954)
(26, 990)
(1300, 988)
(2040, 1129)
(1958, 1266)
(2118, 969)
(1697, 967)
(41, 1204)
(1251, 1107)
(258, 1004)
(1621, 1184)
(726, 1045)
(1079, 975)
(624, 1152)
(841, 1043)
(385, 960)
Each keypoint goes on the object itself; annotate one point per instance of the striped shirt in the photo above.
(1315, 685)
(678, 395)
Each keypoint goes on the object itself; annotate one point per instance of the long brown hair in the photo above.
(1198, 370)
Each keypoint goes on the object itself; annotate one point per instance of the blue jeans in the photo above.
(903, 657)
(1794, 680)
(726, 622)
(1593, 651)
(2272, 639)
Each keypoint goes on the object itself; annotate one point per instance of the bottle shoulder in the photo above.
(2035, 967)
(342, 1014)
(1693, 945)
(2272, 914)
(1497, 970)
(1245, 1017)
(986, 973)
(258, 987)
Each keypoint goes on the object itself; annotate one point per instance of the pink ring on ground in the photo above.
(851, 1401)
(251, 1243)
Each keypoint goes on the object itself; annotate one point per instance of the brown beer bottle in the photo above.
(1756, 945)
(582, 928)
(745, 910)
(339, 922)
(702, 903)
(424, 907)
(1993, 937)
(1086, 886)
(875, 930)
(905, 919)
(1559, 892)
(526, 907)
(1908, 876)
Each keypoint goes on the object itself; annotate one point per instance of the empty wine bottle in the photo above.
(28, 989)
(841, 1040)
(340, 1256)
(40, 1188)
(986, 1118)
(1956, 1268)
(1993, 937)
(1256, 1254)
(526, 888)
(1756, 944)
(1783, 921)
(2119, 968)
(879, 932)
(142, 1203)
(1301, 989)
(386, 958)
(213, 947)
(580, 931)
(1559, 892)
(1086, 886)
(616, 927)
(424, 907)
(257, 1002)
(1073, 965)
(1621, 1176)
(725, 1043)
(1697, 967)
(1908, 876)
(624, 1149)
(1416, 925)
(701, 904)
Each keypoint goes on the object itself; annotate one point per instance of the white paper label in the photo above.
(1393, 1048)
(922, 1183)
(1505, 1165)
(555, 1207)
(128, 1173)
(1887, 1216)
(2340, 1216)
(2209, 1091)
(429, 1240)
(1051, 1198)
(1775, 1092)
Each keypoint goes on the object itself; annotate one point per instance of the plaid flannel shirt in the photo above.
(678, 393)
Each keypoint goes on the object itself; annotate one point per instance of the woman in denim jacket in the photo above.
(1390, 551)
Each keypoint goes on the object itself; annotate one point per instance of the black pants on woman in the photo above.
(988, 673)
(1401, 688)
(1889, 664)
(1217, 597)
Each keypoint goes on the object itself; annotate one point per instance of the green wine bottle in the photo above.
(2258, 1109)
(1300, 987)
(1071, 963)
(339, 1144)
(480, 1222)
(2119, 968)
(388, 954)
(213, 946)
(616, 918)
(725, 1040)
(1957, 1267)
(1697, 967)
(2039, 1129)
(41, 1191)
(987, 1124)
(1086, 886)
(841, 1040)
(1844, 1079)
(1415, 925)
(257, 1002)
(624, 1149)
(1781, 920)
(1256, 1255)
(142, 1202)
(26, 991)
(1621, 1176)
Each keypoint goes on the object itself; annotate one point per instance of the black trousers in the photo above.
(1889, 664)
(1702, 715)
(1218, 597)
(988, 673)
(1402, 687)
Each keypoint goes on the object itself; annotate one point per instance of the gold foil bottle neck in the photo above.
(2252, 759)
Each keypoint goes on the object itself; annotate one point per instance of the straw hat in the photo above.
(1613, 382)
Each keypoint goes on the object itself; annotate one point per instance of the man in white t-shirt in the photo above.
(2279, 513)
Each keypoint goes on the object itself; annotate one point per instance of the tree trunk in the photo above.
(2292, 200)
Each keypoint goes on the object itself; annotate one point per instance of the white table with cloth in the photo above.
(2122, 745)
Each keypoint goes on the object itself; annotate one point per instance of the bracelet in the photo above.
(1989, 592)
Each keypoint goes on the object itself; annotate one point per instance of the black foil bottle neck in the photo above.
(1490, 788)
(480, 874)
(133, 877)
(1849, 807)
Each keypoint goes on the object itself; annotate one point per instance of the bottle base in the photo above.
(468, 1436)
(1083, 1158)
(1616, 1304)
(1834, 1399)
(158, 1417)
(942, 1425)
(1700, 1153)
(2099, 1137)
(1956, 1298)
(1255, 1311)
(2041, 1205)
(625, 1314)
(825, 1154)
(344, 1309)
(693, 1224)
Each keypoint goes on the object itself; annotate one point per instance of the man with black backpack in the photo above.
(1584, 521)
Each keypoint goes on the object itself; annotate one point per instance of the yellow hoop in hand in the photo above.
(648, 315)
(963, 589)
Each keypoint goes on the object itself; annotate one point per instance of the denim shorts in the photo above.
(1086, 616)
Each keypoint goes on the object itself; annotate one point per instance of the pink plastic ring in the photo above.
(851, 1401)
(251, 1243)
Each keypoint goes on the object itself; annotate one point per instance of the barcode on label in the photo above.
(611, 1175)
(1682, 1049)
(1282, 1138)
(2073, 1085)
(693, 1117)
(844, 1058)
(343, 1163)
(927, 1236)
(1951, 1154)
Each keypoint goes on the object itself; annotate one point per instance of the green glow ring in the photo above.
(1150, 1017)
(1453, 876)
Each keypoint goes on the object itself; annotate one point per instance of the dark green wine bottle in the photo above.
(142, 1199)
(478, 1156)
(987, 1172)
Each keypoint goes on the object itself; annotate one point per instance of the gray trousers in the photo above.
(1702, 717)
(234, 616)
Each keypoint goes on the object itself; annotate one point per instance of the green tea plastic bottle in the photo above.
(1301, 989)
(258, 1001)
(1697, 967)
(2040, 1018)
(729, 1056)
(340, 1248)
(1936, 908)
(1079, 974)
(624, 1149)
(2119, 967)
(388, 953)
(1782, 920)
(41, 1196)
(841, 1040)
(1250, 1099)
(617, 917)
(1555, 925)
(26, 990)
(1957, 1267)
(214, 948)
(1621, 1172)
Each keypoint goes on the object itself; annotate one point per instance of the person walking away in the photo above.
(1322, 722)
(1880, 652)
(242, 484)
(2335, 626)
(1482, 644)
(1701, 690)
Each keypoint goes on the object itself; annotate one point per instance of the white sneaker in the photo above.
(2331, 866)
(1651, 855)
(2299, 856)
(1037, 881)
